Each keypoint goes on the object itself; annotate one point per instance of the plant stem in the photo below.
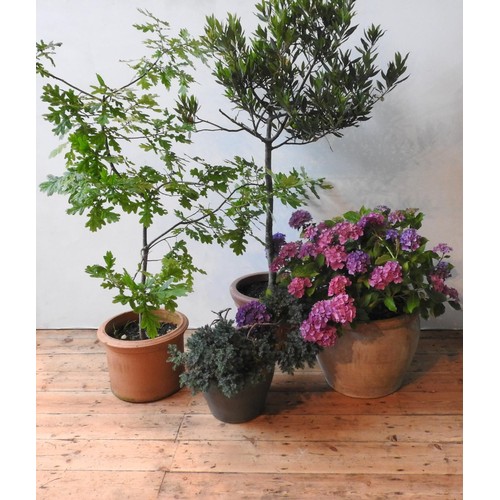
(144, 268)
(270, 202)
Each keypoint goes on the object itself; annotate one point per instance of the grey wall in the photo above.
(408, 154)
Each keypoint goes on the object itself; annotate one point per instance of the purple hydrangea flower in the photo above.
(451, 292)
(391, 234)
(409, 239)
(357, 262)
(279, 239)
(442, 269)
(382, 276)
(396, 216)
(251, 313)
(442, 248)
(299, 219)
(372, 218)
(308, 249)
(383, 208)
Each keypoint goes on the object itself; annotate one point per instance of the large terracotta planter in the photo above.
(248, 404)
(237, 287)
(371, 361)
(138, 369)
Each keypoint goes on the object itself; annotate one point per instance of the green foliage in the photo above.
(287, 313)
(294, 70)
(119, 155)
(225, 355)
(154, 291)
(232, 356)
(293, 81)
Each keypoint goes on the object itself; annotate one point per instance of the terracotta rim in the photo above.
(388, 323)
(242, 280)
(175, 317)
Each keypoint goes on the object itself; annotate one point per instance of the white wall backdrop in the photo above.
(408, 154)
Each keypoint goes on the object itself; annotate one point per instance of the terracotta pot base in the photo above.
(138, 369)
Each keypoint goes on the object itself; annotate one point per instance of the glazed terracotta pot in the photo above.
(236, 289)
(248, 404)
(371, 360)
(138, 369)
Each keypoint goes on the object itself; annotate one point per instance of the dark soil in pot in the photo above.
(255, 289)
(130, 330)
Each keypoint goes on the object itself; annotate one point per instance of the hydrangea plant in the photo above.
(365, 265)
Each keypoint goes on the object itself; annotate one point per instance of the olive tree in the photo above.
(294, 80)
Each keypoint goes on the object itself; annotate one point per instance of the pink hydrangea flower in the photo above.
(342, 309)
(382, 276)
(297, 286)
(318, 326)
(338, 284)
(438, 283)
(396, 216)
(325, 238)
(287, 251)
(335, 256)
(325, 337)
(347, 231)
(310, 232)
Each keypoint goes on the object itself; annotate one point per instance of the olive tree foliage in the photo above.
(294, 80)
(119, 156)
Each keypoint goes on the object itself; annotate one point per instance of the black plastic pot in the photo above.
(248, 404)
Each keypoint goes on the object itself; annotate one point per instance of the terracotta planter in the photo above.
(236, 289)
(248, 404)
(138, 369)
(371, 360)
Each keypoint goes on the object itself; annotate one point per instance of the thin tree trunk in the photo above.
(144, 268)
(270, 204)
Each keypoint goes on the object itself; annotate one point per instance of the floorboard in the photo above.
(311, 442)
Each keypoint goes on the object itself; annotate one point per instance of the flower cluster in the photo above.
(251, 313)
(366, 265)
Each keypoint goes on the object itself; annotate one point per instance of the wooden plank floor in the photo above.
(311, 442)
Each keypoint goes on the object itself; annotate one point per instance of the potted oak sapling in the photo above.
(119, 158)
